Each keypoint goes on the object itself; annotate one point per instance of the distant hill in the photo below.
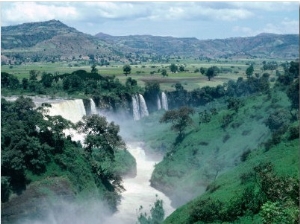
(262, 45)
(54, 40)
(51, 39)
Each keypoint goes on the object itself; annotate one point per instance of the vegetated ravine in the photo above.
(138, 196)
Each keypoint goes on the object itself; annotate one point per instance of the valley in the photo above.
(127, 131)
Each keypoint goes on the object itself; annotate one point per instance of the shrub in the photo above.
(293, 132)
(245, 155)
(226, 120)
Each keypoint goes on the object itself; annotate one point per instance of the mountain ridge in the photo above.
(54, 39)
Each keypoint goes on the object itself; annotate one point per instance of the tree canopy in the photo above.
(212, 72)
(126, 69)
(180, 119)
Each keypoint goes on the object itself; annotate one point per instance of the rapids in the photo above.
(138, 190)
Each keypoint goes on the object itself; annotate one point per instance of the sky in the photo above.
(203, 20)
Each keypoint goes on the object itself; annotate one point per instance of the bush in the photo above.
(226, 120)
(245, 155)
(293, 132)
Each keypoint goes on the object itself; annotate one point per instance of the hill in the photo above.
(261, 46)
(53, 40)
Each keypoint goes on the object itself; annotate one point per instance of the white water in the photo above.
(135, 108)
(164, 100)
(93, 107)
(138, 190)
(72, 110)
(143, 106)
(139, 107)
(158, 103)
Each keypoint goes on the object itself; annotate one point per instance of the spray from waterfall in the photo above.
(164, 101)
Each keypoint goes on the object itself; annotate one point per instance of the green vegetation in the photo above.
(231, 129)
(156, 216)
(241, 158)
(232, 157)
(35, 150)
(180, 120)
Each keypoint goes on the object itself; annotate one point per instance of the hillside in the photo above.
(262, 46)
(53, 41)
(237, 162)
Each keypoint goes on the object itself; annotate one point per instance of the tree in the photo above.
(33, 74)
(181, 68)
(212, 72)
(157, 214)
(94, 69)
(25, 83)
(173, 68)
(202, 70)
(47, 79)
(164, 72)
(249, 71)
(293, 94)
(100, 134)
(126, 69)
(179, 118)
(102, 138)
(9, 81)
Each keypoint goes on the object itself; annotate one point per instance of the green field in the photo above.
(147, 72)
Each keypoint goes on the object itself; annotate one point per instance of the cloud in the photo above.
(265, 6)
(198, 19)
(286, 26)
(20, 12)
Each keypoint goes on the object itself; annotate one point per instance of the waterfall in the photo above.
(158, 103)
(164, 100)
(93, 107)
(143, 106)
(72, 110)
(139, 107)
(135, 108)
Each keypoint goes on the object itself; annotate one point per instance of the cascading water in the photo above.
(158, 103)
(138, 190)
(72, 110)
(135, 108)
(164, 101)
(93, 107)
(143, 106)
(139, 107)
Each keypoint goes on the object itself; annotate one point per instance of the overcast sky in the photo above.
(203, 20)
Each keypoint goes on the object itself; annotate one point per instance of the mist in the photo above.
(64, 212)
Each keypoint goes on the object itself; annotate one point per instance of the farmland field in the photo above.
(147, 72)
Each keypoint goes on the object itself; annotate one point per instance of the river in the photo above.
(138, 190)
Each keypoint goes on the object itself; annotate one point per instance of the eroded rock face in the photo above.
(35, 201)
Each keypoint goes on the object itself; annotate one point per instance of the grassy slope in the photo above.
(285, 164)
(191, 165)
